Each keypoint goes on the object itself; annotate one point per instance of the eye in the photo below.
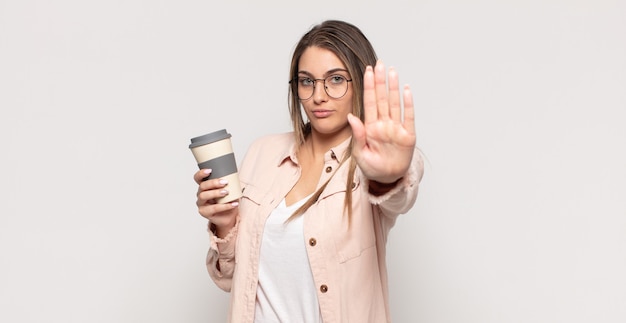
(336, 79)
(305, 81)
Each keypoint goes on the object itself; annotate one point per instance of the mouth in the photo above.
(319, 113)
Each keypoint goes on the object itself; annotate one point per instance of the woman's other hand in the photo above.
(222, 216)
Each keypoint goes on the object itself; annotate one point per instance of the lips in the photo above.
(322, 113)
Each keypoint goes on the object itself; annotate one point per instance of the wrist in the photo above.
(223, 229)
(377, 188)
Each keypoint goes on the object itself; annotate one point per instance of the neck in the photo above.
(318, 143)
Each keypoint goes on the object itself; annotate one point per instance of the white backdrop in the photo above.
(521, 112)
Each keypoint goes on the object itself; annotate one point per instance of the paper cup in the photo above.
(215, 151)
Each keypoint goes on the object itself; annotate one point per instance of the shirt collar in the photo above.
(338, 152)
(335, 153)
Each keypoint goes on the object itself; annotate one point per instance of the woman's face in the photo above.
(327, 110)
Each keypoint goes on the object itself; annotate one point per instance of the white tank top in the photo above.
(286, 291)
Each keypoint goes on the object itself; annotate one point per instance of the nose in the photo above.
(319, 92)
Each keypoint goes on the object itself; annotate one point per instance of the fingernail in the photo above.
(223, 192)
(208, 171)
(234, 204)
(223, 181)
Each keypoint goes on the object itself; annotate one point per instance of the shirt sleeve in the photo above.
(401, 198)
(220, 260)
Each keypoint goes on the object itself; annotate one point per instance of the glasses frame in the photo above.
(295, 79)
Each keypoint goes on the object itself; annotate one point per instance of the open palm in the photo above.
(384, 143)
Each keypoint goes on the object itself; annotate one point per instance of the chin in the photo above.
(331, 131)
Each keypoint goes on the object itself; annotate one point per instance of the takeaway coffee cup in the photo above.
(215, 151)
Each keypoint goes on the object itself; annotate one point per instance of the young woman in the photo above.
(306, 242)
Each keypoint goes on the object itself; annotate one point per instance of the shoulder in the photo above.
(274, 142)
(270, 148)
(264, 155)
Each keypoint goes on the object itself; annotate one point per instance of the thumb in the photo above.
(358, 130)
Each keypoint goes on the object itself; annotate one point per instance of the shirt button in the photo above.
(332, 155)
(312, 242)
(323, 288)
(329, 169)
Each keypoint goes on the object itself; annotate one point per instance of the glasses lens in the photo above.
(336, 86)
(306, 87)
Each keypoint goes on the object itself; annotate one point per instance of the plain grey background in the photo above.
(521, 108)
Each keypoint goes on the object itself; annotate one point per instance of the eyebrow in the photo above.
(329, 72)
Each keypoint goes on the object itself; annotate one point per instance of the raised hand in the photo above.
(384, 143)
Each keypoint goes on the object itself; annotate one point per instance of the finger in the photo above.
(216, 210)
(394, 96)
(212, 184)
(201, 175)
(382, 102)
(409, 111)
(358, 131)
(210, 196)
(369, 96)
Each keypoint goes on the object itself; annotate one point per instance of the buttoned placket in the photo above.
(317, 249)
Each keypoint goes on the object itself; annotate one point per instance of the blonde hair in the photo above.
(356, 53)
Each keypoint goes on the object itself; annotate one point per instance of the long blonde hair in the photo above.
(356, 53)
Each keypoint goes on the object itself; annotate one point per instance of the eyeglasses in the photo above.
(336, 86)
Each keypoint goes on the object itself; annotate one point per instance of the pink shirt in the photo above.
(347, 261)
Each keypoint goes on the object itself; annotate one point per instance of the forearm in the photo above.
(220, 259)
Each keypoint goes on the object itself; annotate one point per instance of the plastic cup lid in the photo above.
(209, 138)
